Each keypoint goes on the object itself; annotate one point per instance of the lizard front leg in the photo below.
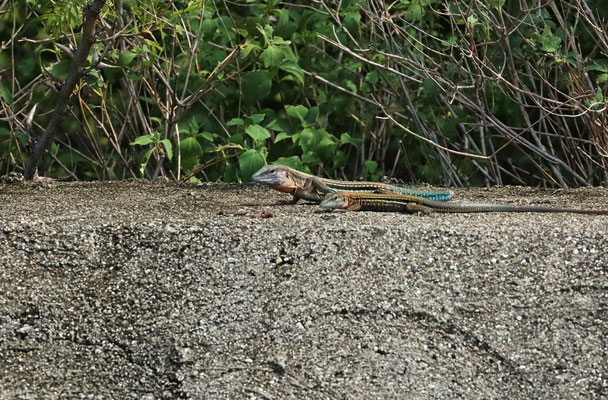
(313, 190)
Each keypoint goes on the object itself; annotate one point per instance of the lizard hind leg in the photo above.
(417, 208)
(383, 191)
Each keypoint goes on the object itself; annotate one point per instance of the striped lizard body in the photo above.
(414, 204)
(309, 187)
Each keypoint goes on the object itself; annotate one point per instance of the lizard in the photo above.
(312, 188)
(414, 204)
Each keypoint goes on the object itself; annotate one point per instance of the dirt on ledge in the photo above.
(138, 290)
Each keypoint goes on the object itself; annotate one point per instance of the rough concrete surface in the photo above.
(142, 291)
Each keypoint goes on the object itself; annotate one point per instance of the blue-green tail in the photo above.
(436, 195)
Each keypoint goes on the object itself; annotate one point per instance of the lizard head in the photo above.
(277, 177)
(270, 175)
(337, 200)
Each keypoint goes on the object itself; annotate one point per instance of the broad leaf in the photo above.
(257, 118)
(6, 95)
(142, 140)
(168, 148)
(272, 56)
(235, 122)
(496, 3)
(372, 77)
(126, 58)
(190, 147)
(256, 86)
(371, 166)
(346, 138)
(249, 162)
(311, 116)
(292, 162)
(294, 70)
(257, 133)
(281, 136)
(298, 112)
(549, 42)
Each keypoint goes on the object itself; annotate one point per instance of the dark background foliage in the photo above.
(459, 92)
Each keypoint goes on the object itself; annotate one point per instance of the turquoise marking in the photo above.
(439, 195)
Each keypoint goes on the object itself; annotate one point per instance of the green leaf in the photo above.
(285, 27)
(209, 27)
(159, 121)
(257, 118)
(266, 31)
(147, 154)
(60, 70)
(231, 173)
(257, 133)
(602, 78)
(496, 3)
(345, 138)
(311, 116)
(372, 77)
(190, 147)
(280, 41)
(249, 162)
(414, 13)
(430, 91)
(339, 159)
(292, 162)
(305, 139)
(549, 42)
(235, 122)
(599, 95)
(294, 70)
(598, 65)
(272, 56)
(142, 140)
(168, 147)
(325, 148)
(298, 112)
(279, 124)
(310, 158)
(256, 86)
(352, 20)
(281, 136)
(349, 84)
(208, 136)
(250, 47)
(126, 58)
(371, 166)
(6, 95)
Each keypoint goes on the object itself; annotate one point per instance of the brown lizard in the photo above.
(309, 187)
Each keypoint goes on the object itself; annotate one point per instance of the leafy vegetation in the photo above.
(452, 92)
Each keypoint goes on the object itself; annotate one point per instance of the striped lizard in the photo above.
(309, 187)
(414, 204)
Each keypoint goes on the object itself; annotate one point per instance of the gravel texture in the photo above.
(134, 290)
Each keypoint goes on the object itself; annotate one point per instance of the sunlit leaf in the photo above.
(126, 58)
(168, 148)
(257, 133)
(142, 140)
(249, 162)
(272, 56)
